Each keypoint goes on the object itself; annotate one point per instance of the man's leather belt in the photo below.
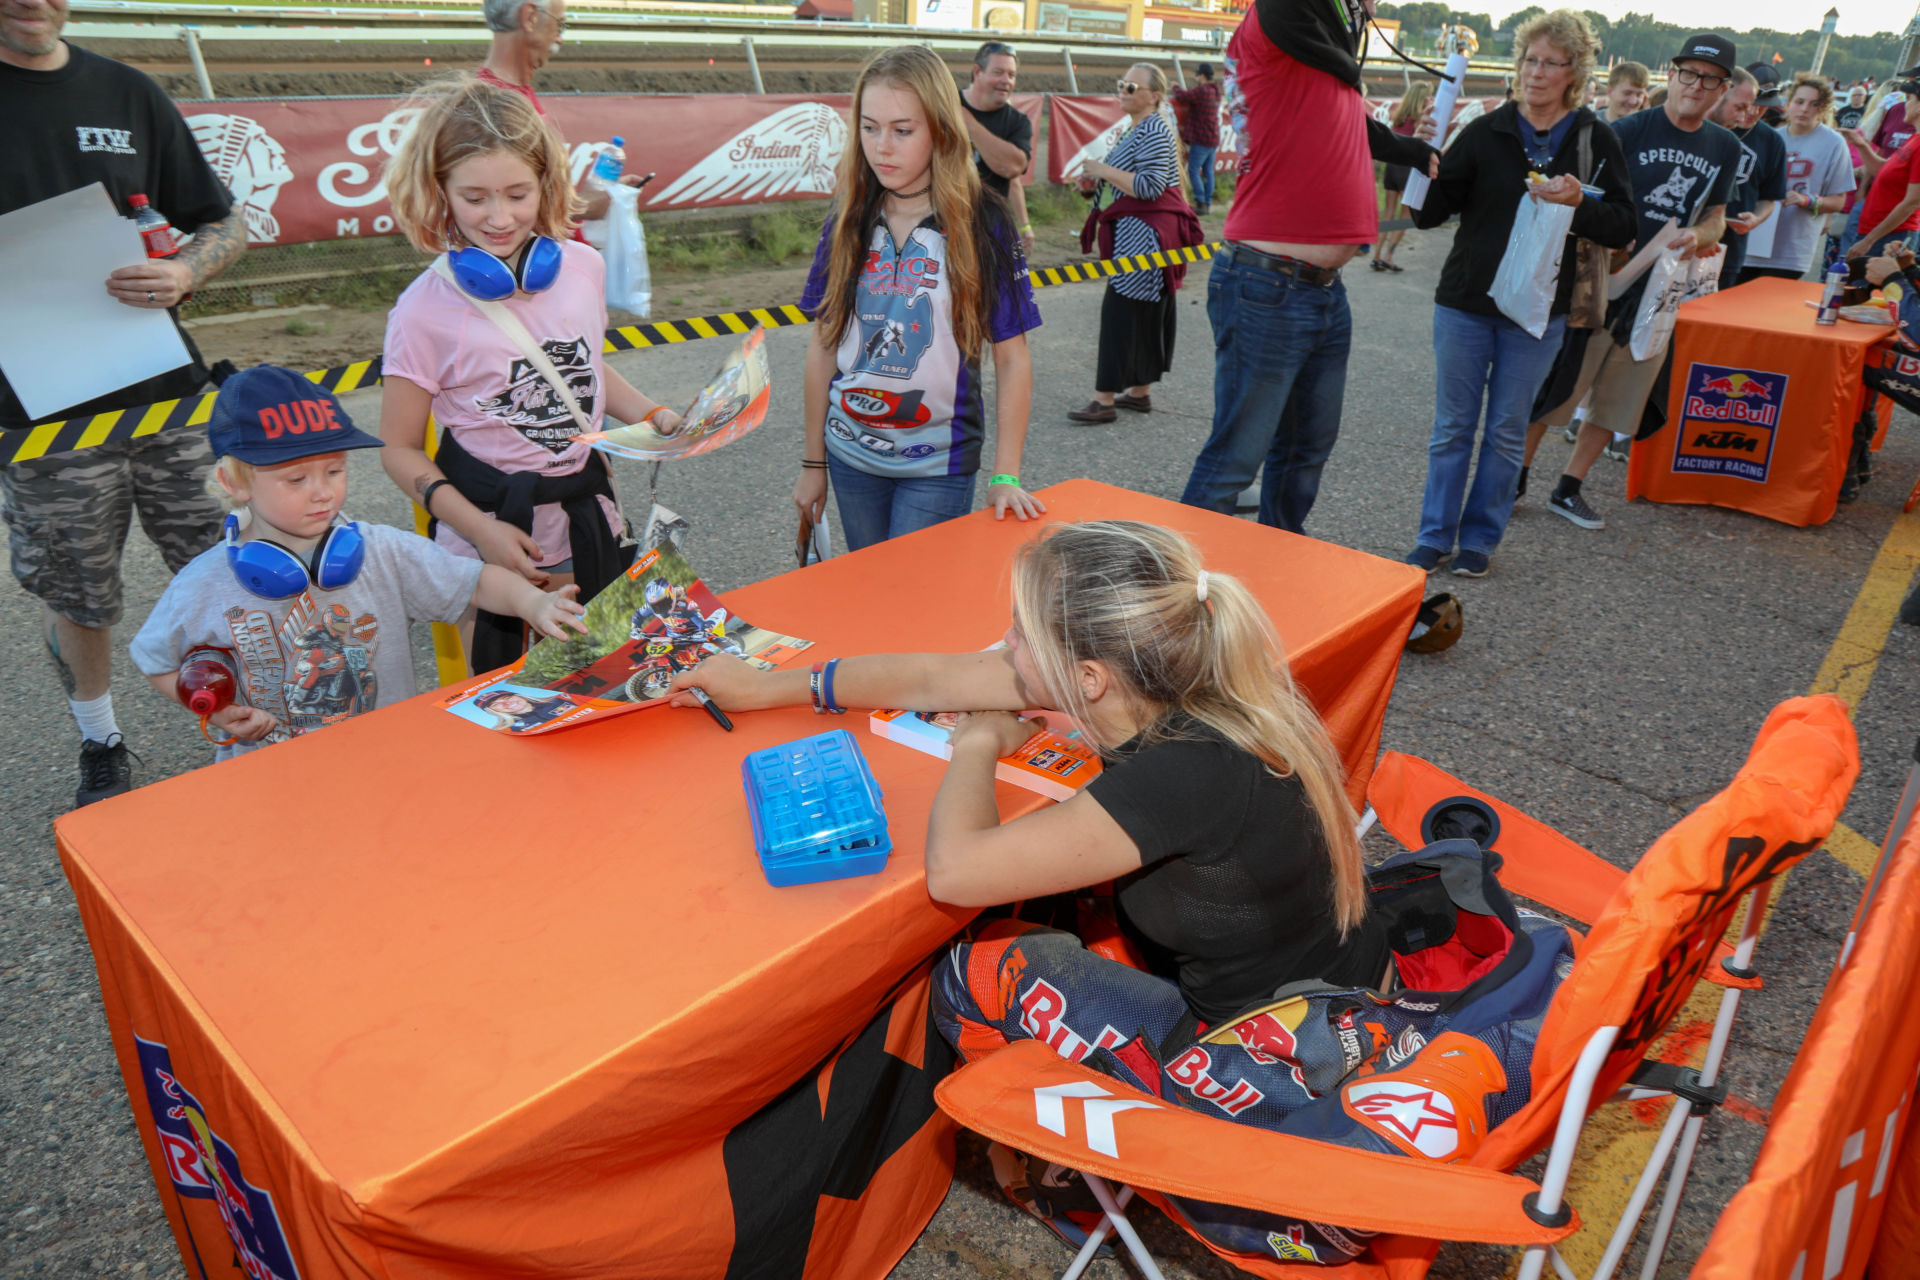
(1304, 272)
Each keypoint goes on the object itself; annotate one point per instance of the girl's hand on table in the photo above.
(733, 684)
(1011, 497)
(1002, 730)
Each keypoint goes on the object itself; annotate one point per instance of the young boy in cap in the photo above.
(312, 609)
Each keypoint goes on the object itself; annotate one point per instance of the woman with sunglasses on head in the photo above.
(1138, 207)
(481, 182)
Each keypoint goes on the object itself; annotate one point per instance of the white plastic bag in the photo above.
(1529, 273)
(1703, 275)
(1668, 280)
(623, 242)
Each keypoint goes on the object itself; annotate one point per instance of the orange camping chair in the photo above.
(1654, 932)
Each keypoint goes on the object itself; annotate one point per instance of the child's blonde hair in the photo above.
(460, 118)
(1131, 596)
(236, 474)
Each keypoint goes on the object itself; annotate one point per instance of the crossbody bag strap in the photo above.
(509, 324)
(1586, 153)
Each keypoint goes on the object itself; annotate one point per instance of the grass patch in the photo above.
(780, 235)
(1051, 205)
(700, 252)
(302, 327)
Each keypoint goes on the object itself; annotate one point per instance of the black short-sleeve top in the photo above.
(1234, 896)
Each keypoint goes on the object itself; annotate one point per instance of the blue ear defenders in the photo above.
(272, 572)
(483, 276)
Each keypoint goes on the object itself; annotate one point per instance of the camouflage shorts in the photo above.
(67, 517)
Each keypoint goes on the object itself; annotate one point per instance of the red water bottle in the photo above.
(208, 683)
(155, 230)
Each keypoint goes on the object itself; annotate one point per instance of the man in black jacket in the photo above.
(1304, 205)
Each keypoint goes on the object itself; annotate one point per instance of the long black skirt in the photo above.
(1136, 340)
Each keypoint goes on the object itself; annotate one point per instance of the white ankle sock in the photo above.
(96, 718)
(1619, 437)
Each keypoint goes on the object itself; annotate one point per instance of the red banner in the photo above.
(314, 170)
(1084, 128)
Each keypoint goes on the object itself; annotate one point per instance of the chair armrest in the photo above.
(1030, 1098)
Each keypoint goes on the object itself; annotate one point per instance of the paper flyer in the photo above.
(657, 620)
(1443, 99)
(729, 406)
(1049, 763)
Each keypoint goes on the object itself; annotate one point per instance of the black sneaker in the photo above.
(1470, 564)
(1427, 559)
(1575, 508)
(106, 769)
(1616, 451)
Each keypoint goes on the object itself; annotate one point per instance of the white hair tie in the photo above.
(1200, 587)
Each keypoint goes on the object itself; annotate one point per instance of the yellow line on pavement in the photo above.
(1617, 1141)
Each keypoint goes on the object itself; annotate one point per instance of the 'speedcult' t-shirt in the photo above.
(1890, 188)
(1006, 122)
(1234, 896)
(323, 656)
(1817, 165)
(906, 400)
(1308, 176)
(97, 120)
(484, 391)
(1676, 174)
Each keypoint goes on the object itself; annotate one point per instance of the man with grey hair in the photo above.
(525, 34)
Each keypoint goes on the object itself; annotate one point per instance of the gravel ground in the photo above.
(1607, 682)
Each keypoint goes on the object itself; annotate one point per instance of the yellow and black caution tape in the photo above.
(74, 434)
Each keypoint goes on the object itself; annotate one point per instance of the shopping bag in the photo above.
(1529, 274)
(622, 240)
(1703, 275)
(1667, 282)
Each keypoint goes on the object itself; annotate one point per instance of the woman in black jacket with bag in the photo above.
(1483, 359)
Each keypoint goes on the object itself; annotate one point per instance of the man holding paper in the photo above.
(75, 119)
(1761, 182)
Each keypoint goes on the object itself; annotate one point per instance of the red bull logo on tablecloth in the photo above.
(202, 1166)
(1727, 421)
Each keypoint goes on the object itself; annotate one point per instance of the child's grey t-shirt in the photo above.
(321, 656)
(1817, 165)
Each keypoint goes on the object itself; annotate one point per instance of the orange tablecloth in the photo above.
(1761, 411)
(441, 1003)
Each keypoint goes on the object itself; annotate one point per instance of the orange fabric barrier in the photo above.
(380, 1017)
(1813, 1203)
(1761, 411)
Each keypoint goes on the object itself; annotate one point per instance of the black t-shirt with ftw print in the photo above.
(1676, 174)
(97, 120)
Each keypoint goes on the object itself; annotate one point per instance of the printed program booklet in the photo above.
(657, 620)
(1053, 764)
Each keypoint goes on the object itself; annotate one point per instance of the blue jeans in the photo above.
(875, 508)
(1279, 380)
(1200, 173)
(1480, 360)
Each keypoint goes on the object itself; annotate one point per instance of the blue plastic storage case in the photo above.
(816, 810)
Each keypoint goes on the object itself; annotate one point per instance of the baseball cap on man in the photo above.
(268, 415)
(1768, 90)
(1708, 47)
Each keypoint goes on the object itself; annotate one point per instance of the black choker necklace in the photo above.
(911, 195)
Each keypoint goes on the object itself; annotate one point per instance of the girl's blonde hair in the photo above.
(1128, 595)
(1570, 33)
(1414, 102)
(459, 118)
(1157, 81)
(238, 475)
(960, 204)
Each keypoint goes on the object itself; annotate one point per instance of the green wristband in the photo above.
(1004, 479)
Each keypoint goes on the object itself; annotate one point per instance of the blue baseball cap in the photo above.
(268, 415)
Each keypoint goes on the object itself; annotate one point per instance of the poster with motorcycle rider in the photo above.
(642, 630)
(733, 402)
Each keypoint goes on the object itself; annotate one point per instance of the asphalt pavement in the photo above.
(1607, 682)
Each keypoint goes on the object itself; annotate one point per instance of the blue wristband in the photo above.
(826, 690)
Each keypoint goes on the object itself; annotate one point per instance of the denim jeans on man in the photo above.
(1200, 173)
(1481, 361)
(875, 508)
(1279, 380)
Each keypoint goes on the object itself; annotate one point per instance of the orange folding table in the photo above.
(1762, 405)
(409, 999)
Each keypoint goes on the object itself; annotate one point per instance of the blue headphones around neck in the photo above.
(270, 571)
(490, 279)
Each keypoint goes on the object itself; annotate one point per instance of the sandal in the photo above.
(1378, 265)
(1395, 267)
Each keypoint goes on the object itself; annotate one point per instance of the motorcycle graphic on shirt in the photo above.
(529, 403)
(899, 362)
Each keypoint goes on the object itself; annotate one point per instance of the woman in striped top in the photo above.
(1137, 313)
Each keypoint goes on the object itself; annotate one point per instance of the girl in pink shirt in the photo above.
(510, 484)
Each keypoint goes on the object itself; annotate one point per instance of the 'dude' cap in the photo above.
(268, 415)
(1711, 47)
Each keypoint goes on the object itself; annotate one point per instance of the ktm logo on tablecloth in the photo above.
(1727, 421)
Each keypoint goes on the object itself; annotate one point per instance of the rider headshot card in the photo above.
(656, 621)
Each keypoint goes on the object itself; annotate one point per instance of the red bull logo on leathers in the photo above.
(1727, 420)
(203, 1166)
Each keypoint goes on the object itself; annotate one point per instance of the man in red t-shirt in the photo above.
(525, 34)
(1303, 207)
(1892, 203)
